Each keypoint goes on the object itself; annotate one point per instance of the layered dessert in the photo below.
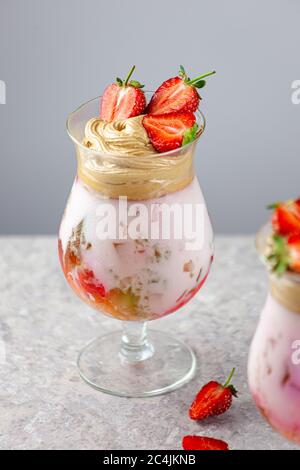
(143, 153)
(274, 360)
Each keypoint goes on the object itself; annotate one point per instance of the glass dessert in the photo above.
(274, 359)
(121, 249)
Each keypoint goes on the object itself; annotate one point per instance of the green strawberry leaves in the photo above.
(228, 385)
(126, 82)
(233, 390)
(182, 73)
(197, 82)
(272, 206)
(275, 205)
(279, 257)
(200, 84)
(136, 84)
(190, 134)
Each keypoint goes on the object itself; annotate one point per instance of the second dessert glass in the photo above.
(126, 248)
(274, 358)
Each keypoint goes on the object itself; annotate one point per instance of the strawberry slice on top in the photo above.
(177, 94)
(285, 253)
(293, 242)
(213, 399)
(123, 99)
(170, 131)
(286, 217)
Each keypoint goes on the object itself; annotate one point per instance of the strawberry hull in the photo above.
(286, 218)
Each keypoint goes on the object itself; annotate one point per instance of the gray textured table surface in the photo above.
(45, 405)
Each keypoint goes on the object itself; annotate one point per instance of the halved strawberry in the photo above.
(286, 217)
(89, 283)
(203, 443)
(177, 94)
(285, 253)
(294, 252)
(167, 131)
(213, 399)
(123, 99)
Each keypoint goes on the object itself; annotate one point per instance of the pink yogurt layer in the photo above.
(273, 368)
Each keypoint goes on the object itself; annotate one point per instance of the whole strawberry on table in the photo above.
(213, 399)
(169, 118)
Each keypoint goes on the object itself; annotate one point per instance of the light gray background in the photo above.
(56, 54)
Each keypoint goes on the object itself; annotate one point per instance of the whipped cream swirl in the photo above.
(126, 137)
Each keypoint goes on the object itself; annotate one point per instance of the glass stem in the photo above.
(135, 346)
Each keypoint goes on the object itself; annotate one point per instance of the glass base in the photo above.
(170, 365)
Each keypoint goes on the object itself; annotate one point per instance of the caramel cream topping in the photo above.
(285, 288)
(126, 137)
(108, 161)
(286, 292)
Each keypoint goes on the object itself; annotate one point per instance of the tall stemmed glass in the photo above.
(135, 243)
